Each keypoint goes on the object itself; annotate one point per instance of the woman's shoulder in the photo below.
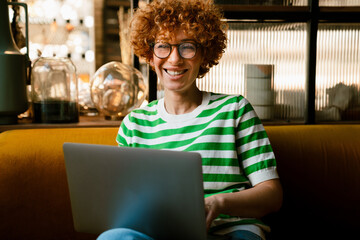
(146, 112)
(146, 109)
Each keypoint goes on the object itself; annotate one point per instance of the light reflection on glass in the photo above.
(284, 46)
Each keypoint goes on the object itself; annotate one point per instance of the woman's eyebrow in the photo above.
(182, 40)
(188, 40)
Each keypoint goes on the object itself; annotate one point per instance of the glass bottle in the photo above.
(54, 90)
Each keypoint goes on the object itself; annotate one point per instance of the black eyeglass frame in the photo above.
(152, 46)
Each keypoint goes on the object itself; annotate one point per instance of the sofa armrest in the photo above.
(319, 168)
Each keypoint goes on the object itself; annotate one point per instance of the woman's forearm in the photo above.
(256, 202)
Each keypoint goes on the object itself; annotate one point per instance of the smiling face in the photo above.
(176, 73)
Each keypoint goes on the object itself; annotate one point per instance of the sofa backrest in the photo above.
(318, 165)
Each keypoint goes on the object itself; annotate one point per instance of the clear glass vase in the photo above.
(116, 89)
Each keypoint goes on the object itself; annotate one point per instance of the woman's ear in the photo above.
(151, 63)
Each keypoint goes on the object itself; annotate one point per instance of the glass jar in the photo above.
(54, 90)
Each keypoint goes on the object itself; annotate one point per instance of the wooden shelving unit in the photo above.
(111, 38)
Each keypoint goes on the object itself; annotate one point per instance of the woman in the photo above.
(182, 40)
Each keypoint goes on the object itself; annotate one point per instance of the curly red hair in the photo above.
(200, 19)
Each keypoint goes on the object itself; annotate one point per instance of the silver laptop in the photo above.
(156, 192)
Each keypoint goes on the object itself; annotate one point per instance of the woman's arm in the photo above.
(255, 202)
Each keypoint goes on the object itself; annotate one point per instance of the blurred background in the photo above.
(297, 61)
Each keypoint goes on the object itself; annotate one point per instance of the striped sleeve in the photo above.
(255, 153)
(124, 134)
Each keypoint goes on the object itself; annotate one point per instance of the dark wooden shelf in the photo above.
(117, 3)
(290, 13)
(111, 39)
(112, 31)
(255, 8)
(84, 121)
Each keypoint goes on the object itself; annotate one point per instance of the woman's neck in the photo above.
(180, 103)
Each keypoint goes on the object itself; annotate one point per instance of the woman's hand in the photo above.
(212, 208)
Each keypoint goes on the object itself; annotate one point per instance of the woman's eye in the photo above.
(163, 46)
(188, 46)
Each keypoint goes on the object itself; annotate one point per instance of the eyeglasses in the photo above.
(186, 50)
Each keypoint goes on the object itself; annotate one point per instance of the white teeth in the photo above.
(174, 73)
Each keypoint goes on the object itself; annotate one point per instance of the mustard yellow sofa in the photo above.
(319, 166)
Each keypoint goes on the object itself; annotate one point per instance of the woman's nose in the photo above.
(174, 56)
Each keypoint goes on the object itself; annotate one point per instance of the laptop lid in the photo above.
(156, 192)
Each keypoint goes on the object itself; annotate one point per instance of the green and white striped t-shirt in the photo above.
(224, 129)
